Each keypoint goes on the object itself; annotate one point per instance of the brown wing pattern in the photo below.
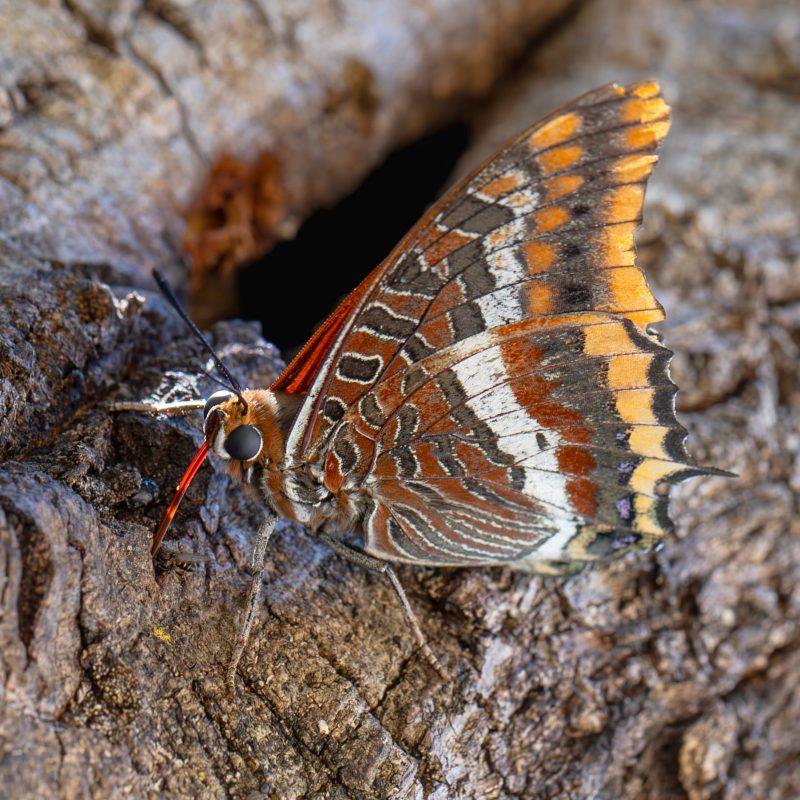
(494, 391)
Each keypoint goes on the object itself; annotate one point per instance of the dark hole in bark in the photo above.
(298, 283)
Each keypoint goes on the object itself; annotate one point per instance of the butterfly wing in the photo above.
(490, 388)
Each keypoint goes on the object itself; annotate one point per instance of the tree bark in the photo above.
(112, 113)
(664, 676)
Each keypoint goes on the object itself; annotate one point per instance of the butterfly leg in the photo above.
(375, 564)
(257, 565)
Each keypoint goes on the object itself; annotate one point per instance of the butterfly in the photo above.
(492, 393)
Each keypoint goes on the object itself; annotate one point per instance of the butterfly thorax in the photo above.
(298, 492)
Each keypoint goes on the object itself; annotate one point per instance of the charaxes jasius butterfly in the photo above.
(491, 393)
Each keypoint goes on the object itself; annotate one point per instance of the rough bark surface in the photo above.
(665, 676)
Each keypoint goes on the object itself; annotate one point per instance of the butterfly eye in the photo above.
(215, 400)
(243, 443)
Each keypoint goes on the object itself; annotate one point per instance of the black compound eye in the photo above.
(243, 443)
(215, 400)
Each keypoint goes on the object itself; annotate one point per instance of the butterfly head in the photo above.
(231, 427)
(249, 427)
(246, 428)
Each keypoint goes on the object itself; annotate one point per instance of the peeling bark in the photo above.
(666, 676)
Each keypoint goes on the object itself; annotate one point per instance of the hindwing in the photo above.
(491, 387)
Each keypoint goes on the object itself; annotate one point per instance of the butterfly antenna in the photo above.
(216, 380)
(169, 293)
